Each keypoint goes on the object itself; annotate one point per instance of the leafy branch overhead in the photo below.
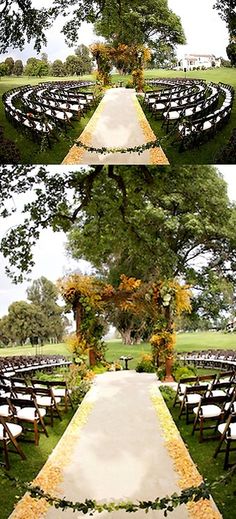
(127, 21)
(164, 218)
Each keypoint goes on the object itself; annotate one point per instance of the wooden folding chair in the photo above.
(180, 390)
(190, 399)
(8, 434)
(59, 389)
(228, 437)
(210, 409)
(28, 412)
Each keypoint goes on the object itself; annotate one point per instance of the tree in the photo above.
(227, 11)
(18, 68)
(36, 67)
(140, 23)
(44, 294)
(164, 218)
(3, 69)
(163, 56)
(74, 65)
(24, 321)
(58, 68)
(9, 62)
(86, 61)
(231, 53)
(20, 22)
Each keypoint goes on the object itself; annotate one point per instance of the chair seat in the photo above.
(227, 405)
(209, 411)
(15, 430)
(61, 393)
(46, 400)
(28, 413)
(4, 411)
(207, 125)
(193, 398)
(232, 427)
(218, 392)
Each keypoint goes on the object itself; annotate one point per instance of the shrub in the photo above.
(183, 372)
(145, 365)
(79, 392)
(168, 393)
(161, 371)
(227, 155)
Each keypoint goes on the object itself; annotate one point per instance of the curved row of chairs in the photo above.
(24, 407)
(211, 401)
(193, 109)
(216, 359)
(46, 109)
(10, 366)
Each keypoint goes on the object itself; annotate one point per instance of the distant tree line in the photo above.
(39, 320)
(78, 64)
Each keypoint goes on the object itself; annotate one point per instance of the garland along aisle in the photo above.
(183, 464)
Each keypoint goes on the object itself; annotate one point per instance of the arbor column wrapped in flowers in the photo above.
(160, 301)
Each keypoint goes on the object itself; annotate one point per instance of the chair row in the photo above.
(24, 409)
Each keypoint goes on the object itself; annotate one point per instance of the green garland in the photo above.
(136, 149)
(90, 506)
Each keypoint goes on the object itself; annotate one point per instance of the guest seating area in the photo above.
(209, 404)
(25, 406)
(211, 358)
(192, 110)
(43, 111)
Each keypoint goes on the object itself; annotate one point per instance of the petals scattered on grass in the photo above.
(184, 465)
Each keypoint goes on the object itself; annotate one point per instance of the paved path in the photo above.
(118, 122)
(116, 448)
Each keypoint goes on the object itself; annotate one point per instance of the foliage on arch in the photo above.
(126, 58)
(92, 298)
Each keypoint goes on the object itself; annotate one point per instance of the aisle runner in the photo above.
(118, 122)
(116, 448)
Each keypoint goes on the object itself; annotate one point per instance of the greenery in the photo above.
(145, 365)
(227, 11)
(38, 321)
(202, 454)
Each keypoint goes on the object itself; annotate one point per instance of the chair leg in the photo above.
(201, 430)
(6, 456)
(226, 462)
(43, 425)
(36, 433)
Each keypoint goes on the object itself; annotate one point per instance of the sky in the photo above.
(52, 261)
(206, 33)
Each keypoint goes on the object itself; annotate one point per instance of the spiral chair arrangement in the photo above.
(48, 108)
(192, 110)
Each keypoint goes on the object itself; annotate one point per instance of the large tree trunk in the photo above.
(126, 336)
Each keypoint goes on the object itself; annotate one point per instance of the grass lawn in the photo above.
(31, 152)
(47, 349)
(115, 348)
(26, 470)
(211, 469)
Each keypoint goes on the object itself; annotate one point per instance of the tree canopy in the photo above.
(21, 22)
(164, 217)
(227, 11)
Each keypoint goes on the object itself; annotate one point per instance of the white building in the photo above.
(194, 61)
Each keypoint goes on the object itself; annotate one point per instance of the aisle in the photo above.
(118, 122)
(116, 448)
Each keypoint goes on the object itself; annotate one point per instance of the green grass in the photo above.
(47, 349)
(115, 348)
(31, 153)
(211, 469)
(26, 470)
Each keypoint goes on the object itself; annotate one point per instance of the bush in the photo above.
(227, 155)
(161, 371)
(79, 392)
(168, 393)
(145, 365)
(183, 372)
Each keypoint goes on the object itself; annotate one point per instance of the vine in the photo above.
(91, 506)
(136, 149)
